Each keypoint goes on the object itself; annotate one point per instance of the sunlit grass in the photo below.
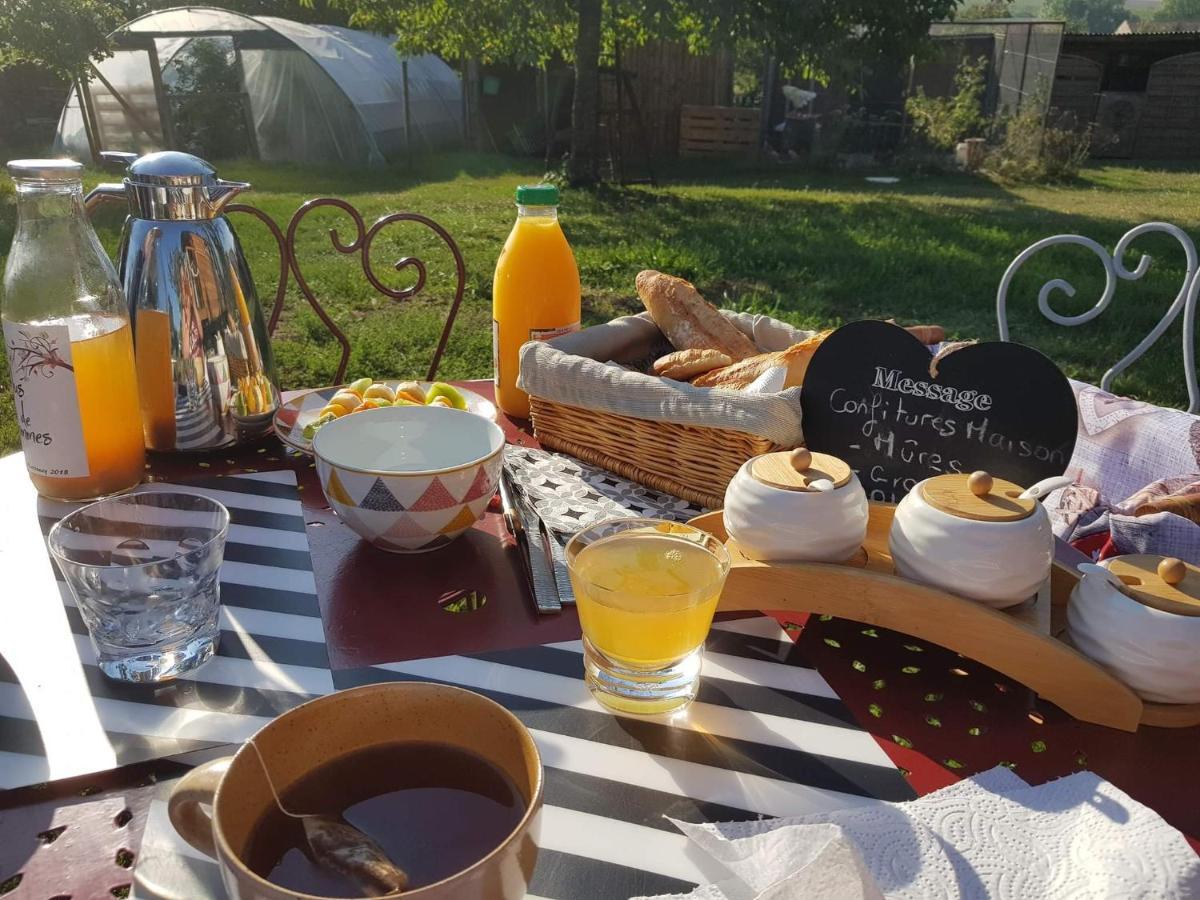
(816, 249)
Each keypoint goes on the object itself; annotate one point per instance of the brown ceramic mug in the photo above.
(317, 732)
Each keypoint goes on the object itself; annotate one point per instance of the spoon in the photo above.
(1045, 486)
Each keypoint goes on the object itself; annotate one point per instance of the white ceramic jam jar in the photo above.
(976, 536)
(796, 506)
(1139, 617)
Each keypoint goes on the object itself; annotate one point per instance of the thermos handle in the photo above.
(104, 193)
(109, 192)
(118, 158)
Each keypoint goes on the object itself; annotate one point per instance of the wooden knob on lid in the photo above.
(977, 496)
(801, 459)
(1172, 570)
(980, 483)
(800, 470)
(1165, 583)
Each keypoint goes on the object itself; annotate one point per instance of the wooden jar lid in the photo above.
(977, 496)
(1160, 581)
(795, 470)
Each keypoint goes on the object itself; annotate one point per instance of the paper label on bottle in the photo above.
(43, 380)
(546, 334)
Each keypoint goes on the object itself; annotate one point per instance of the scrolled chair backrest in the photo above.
(360, 244)
(1115, 270)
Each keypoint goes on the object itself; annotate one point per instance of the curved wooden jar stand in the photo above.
(1022, 643)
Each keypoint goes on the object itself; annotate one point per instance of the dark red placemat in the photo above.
(943, 717)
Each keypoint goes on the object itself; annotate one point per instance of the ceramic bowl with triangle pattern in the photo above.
(409, 479)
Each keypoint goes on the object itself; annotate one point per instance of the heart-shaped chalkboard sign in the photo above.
(871, 398)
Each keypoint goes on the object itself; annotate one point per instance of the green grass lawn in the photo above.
(814, 249)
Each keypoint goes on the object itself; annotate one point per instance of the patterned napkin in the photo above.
(570, 495)
(991, 837)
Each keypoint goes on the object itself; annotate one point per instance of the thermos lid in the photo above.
(45, 169)
(1163, 582)
(171, 168)
(797, 470)
(977, 496)
(170, 185)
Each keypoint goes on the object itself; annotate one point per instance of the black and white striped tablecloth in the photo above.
(59, 716)
(767, 737)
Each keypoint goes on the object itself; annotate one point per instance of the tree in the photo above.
(585, 106)
(823, 35)
(1102, 16)
(985, 9)
(298, 10)
(1178, 10)
(63, 36)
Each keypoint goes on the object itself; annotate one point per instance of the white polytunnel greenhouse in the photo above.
(222, 85)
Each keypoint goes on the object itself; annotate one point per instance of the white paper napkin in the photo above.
(992, 836)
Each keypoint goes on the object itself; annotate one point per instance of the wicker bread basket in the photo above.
(690, 461)
(590, 398)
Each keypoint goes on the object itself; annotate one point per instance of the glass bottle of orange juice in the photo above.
(535, 294)
(68, 341)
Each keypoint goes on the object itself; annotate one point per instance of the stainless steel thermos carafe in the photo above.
(205, 372)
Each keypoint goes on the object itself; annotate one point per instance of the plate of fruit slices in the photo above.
(297, 420)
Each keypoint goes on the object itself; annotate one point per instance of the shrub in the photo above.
(944, 121)
(1037, 147)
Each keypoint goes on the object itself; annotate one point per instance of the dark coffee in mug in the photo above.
(434, 809)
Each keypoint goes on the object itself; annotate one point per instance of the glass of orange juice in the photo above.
(646, 591)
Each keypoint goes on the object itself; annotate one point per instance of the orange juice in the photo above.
(535, 294)
(646, 599)
(105, 384)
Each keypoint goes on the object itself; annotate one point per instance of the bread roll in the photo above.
(688, 320)
(685, 364)
(927, 334)
(742, 374)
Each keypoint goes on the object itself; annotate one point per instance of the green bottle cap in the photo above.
(537, 195)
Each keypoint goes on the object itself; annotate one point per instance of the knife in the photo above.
(553, 586)
(545, 602)
(558, 564)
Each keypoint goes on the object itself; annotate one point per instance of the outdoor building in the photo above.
(1138, 88)
(223, 84)
(1022, 54)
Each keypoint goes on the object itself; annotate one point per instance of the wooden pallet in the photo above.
(712, 131)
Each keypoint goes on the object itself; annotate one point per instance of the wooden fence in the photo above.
(666, 77)
(708, 131)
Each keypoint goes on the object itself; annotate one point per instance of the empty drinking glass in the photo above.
(143, 569)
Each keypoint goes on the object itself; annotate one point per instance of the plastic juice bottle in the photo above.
(69, 343)
(535, 295)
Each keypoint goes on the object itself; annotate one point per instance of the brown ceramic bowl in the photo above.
(310, 735)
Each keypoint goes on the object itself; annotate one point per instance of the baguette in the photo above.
(1186, 505)
(926, 334)
(741, 375)
(688, 320)
(684, 364)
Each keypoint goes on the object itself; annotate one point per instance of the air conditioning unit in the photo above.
(1117, 117)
